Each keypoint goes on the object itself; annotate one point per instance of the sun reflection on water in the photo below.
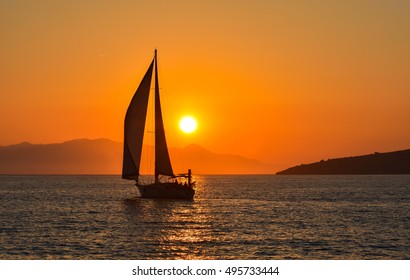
(231, 217)
(184, 227)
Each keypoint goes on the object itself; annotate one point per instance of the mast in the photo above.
(162, 161)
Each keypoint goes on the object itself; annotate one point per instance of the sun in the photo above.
(187, 124)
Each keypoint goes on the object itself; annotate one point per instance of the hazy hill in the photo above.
(73, 157)
(378, 163)
(206, 162)
(103, 156)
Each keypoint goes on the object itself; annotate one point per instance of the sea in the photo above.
(246, 217)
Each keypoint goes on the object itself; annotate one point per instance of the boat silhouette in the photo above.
(166, 184)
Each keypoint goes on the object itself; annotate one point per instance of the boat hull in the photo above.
(166, 190)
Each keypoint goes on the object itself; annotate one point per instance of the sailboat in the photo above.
(166, 184)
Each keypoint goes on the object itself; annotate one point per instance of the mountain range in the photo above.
(104, 156)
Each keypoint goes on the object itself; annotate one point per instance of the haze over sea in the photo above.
(231, 217)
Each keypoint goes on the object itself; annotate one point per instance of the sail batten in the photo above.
(134, 126)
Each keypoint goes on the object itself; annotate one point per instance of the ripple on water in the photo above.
(232, 217)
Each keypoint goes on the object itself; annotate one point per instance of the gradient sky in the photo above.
(284, 82)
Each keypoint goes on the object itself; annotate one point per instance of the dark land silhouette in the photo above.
(103, 156)
(378, 163)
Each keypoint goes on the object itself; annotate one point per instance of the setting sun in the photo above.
(188, 124)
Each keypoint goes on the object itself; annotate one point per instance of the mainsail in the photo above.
(134, 127)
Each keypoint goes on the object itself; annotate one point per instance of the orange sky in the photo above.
(284, 82)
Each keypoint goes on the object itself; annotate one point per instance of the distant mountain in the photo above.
(378, 163)
(205, 162)
(80, 156)
(103, 156)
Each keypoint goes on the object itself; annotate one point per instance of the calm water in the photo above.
(232, 217)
